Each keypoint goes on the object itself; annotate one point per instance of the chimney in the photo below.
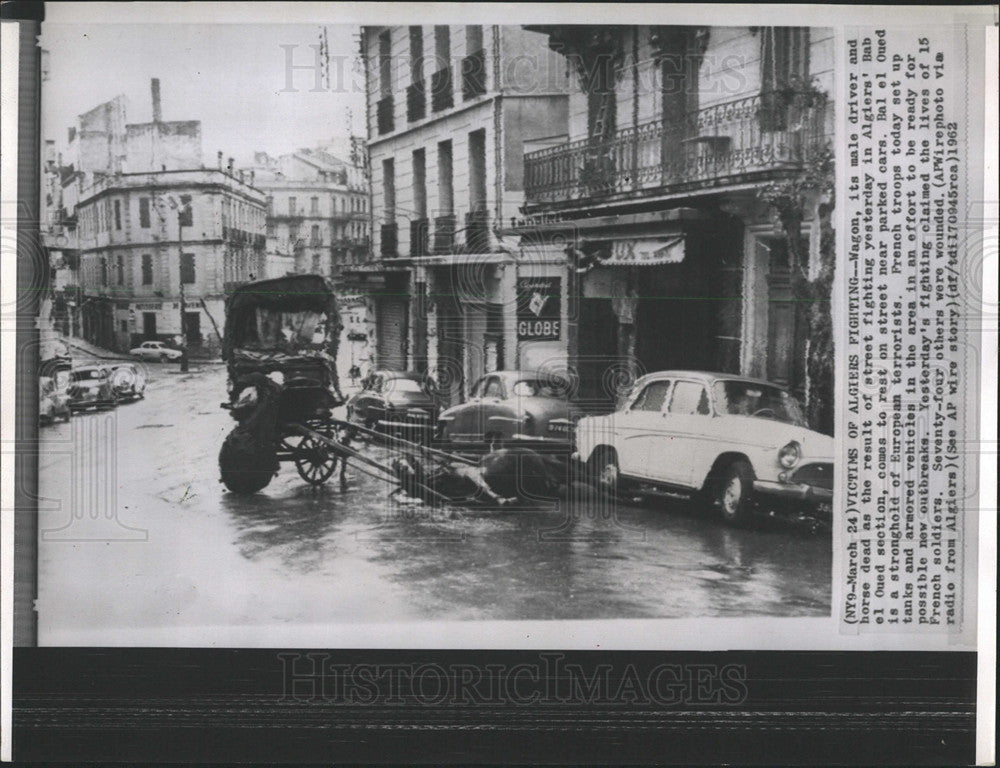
(155, 88)
(220, 159)
(252, 174)
(241, 175)
(229, 167)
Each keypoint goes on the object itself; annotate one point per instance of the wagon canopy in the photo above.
(288, 314)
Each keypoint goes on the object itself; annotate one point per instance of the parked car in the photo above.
(91, 387)
(395, 401)
(128, 382)
(53, 400)
(156, 350)
(505, 407)
(736, 442)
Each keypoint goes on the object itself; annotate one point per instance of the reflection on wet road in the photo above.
(297, 554)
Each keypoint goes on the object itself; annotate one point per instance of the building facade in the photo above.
(137, 226)
(317, 212)
(690, 200)
(449, 109)
(149, 242)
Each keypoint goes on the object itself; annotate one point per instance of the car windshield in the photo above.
(275, 328)
(747, 398)
(540, 388)
(87, 375)
(403, 385)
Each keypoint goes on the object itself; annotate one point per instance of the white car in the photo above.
(734, 441)
(155, 350)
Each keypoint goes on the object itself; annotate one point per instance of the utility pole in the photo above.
(180, 272)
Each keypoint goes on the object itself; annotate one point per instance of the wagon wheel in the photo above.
(314, 461)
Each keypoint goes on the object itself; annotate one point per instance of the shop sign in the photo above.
(539, 308)
(646, 252)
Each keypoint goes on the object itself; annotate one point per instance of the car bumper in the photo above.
(801, 496)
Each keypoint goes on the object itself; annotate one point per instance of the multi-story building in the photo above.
(150, 241)
(157, 233)
(689, 200)
(449, 109)
(317, 212)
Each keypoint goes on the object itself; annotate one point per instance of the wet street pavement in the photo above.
(137, 531)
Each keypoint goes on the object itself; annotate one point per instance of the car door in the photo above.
(683, 436)
(635, 427)
(466, 423)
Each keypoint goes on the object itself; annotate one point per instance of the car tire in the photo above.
(732, 493)
(603, 472)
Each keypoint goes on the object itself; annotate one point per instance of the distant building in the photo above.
(317, 212)
(136, 220)
(449, 109)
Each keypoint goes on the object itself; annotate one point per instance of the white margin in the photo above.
(9, 52)
(986, 690)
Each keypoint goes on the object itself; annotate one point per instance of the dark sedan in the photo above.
(397, 402)
(526, 408)
(91, 387)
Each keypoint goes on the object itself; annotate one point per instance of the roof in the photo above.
(706, 376)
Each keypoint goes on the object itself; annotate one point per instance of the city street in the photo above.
(159, 543)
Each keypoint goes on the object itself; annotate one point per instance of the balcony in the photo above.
(442, 90)
(474, 75)
(724, 144)
(419, 238)
(416, 101)
(384, 114)
(477, 232)
(444, 234)
(389, 241)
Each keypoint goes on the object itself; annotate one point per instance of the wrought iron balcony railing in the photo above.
(474, 75)
(442, 90)
(477, 232)
(389, 246)
(416, 101)
(384, 115)
(419, 238)
(716, 144)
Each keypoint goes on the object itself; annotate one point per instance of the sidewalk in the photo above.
(92, 350)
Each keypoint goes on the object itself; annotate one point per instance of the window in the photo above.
(314, 236)
(184, 213)
(416, 54)
(124, 326)
(144, 212)
(442, 46)
(445, 188)
(784, 67)
(147, 269)
(120, 269)
(187, 268)
(104, 271)
(314, 206)
(293, 233)
(291, 206)
(493, 389)
(473, 39)
(389, 188)
(689, 398)
(270, 205)
(385, 63)
(420, 183)
(652, 397)
(118, 214)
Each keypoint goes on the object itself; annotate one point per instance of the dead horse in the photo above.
(500, 477)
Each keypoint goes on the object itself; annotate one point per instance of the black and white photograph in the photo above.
(460, 322)
(455, 327)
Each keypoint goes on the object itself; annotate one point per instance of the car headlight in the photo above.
(789, 455)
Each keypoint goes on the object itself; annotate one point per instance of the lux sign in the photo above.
(646, 252)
